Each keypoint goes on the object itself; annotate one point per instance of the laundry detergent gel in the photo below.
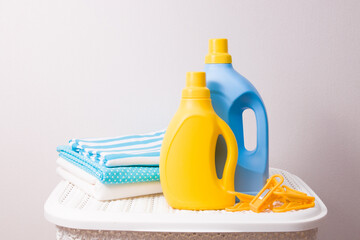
(231, 94)
(187, 159)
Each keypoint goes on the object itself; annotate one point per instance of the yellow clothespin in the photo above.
(288, 206)
(273, 194)
(289, 191)
(243, 205)
(265, 198)
(292, 199)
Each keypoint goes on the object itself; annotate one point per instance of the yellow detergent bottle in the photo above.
(187, 159)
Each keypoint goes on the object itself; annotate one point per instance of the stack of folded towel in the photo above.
(113, 168)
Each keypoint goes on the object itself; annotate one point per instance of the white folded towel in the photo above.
(99, 191)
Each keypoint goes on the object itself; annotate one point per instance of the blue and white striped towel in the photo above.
(130, 150)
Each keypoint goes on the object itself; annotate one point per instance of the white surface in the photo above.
(70, 207)
(90, 68)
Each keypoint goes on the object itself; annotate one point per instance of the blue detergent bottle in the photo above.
(231, 94)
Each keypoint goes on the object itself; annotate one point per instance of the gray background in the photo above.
(105, 68)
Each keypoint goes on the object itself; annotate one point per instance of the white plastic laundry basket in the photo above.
(79, 216)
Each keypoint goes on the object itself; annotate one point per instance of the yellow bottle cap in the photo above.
(195, 86)
(218, 51)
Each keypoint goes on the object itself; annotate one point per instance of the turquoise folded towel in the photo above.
(107, 175)
(127, 150)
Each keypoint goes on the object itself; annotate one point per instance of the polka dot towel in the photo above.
(110, 175)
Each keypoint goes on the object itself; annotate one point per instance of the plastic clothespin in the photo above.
(292, 199)
(288, 206)
(284, 192)
(265, 198)
(288, 190)
(271, 196)
(243, 205)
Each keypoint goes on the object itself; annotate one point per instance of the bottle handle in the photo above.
(232, 155)
(261, 127)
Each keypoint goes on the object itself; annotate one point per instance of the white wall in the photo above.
(103, 68)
